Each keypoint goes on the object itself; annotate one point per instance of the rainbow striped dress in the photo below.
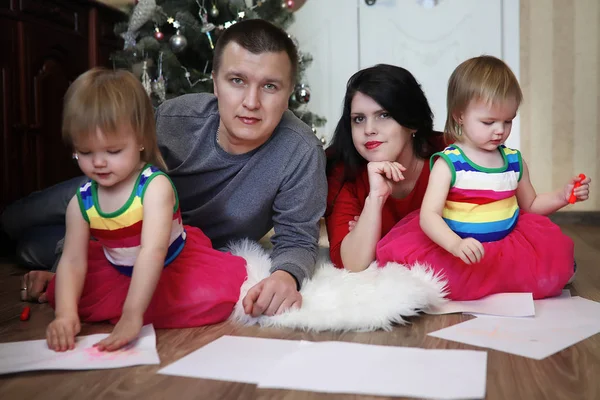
(482, 202)
(120, 232)
(524, 252)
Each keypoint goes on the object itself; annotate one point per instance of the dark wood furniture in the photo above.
(44, 45)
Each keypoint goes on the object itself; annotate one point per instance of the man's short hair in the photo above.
(257, 36)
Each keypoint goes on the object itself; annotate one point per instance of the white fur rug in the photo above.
(338, 300)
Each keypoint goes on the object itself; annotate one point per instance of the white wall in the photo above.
(345, 35)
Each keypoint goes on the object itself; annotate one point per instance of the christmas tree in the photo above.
(169, 44)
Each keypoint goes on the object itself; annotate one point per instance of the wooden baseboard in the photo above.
(576, 217)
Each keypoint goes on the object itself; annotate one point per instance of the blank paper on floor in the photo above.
(338, 367)
(234, 359)
(501, 304)
(34, 355)
(559, 323)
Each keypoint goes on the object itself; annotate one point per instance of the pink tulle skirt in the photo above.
(200, 287)
(535, 257)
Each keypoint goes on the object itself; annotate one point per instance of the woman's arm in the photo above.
(70, 277)
(358, 247)
(547, 203)
(159, 201)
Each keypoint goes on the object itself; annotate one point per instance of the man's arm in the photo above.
(298, 208)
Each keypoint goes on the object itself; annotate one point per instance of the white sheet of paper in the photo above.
(559, 323)
(34, 355)
(566, 293)
(338, 367)
(234, 358)
(501, 304)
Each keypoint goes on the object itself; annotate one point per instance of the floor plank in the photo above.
(571, 374)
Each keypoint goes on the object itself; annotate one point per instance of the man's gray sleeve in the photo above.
(298, 207)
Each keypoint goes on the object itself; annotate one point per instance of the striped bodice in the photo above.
(120, 232)
(482, 202)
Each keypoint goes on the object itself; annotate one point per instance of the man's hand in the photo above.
(33, 285)
(273, 295)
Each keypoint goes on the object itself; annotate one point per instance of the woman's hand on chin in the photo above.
(382, 176)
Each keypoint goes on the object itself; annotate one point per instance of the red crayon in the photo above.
(25, 313)
(573, 198)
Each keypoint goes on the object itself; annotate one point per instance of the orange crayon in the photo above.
(25, 313)
(573, 198)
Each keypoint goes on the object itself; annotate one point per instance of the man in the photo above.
(241, 162)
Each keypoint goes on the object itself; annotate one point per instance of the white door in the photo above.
(427, 37)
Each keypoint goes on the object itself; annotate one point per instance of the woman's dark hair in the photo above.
(396, 91)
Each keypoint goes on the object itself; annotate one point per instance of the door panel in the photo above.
(430, 42)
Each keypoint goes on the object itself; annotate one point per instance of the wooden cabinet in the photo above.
(44, 46)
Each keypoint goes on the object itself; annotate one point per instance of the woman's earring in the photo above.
(142, 148)
(459, 129)
(75, 156)
(414, 134)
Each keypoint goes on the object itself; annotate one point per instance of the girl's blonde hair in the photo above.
(105, 99)
(483, 78)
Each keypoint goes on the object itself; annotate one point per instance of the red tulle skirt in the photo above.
(535, 257)
(200, 287)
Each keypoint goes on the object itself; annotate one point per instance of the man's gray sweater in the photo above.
(280, 185)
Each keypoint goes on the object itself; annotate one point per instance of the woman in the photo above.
(376, 163)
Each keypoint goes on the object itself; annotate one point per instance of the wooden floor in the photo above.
(574, 373)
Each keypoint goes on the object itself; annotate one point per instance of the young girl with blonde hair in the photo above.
(144, 265)
(481, 223)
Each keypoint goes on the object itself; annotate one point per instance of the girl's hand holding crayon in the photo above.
(127, 329)
(61, 332)
(578, 189)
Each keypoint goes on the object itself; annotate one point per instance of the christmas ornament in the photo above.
(158, 35)
(138, 68)
(302, 93)
(146, 79)
(159, 87)
(141, 14)
(210, 42)
(298, 4)
(178, 42)
(206, 27)
(288, 4)
(214, 11)
(129, 38)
